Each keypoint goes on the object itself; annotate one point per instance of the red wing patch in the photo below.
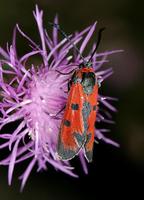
(71, 137)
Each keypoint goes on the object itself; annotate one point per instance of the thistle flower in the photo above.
(32, 96)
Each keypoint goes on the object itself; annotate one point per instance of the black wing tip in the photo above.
(65, 153)
(89, 156)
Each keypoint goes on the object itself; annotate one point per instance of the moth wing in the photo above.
(71, 137)
(88, 147)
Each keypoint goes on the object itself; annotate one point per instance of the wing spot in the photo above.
(67, 123)
(74, 106)
(94, 107)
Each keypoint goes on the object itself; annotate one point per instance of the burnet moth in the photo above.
(78, 122)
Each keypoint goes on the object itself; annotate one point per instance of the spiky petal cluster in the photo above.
(32, 96)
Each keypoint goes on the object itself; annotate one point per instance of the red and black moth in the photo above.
(78, 123)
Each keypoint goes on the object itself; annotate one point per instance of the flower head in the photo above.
(33, 96)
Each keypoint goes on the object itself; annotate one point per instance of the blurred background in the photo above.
(114, 172)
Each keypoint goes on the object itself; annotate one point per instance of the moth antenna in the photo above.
(66, 36)
(97, 45)
(65, 73)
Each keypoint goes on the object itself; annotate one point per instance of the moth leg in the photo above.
(62, 73)
(60, 110)
(55, 115)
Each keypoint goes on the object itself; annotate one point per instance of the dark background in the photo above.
(114, 172)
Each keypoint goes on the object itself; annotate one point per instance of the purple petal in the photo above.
(103, 60)
(25, 36)
(48, 41)
(83, 162)
(100, 136)
(107, 75)
(12, 56)
(39, 20)
(25, 157)
(4, 145)
(5, 136)
(106, 53)
(77, 36)
(55, 32)
(23, 80)
(14, 40)
(26, 56)
(20, 151)
(19, 128)
(108, 105)
(27, 173)
(4, 53)
(55, 48)
(61, 168)
(12, 161)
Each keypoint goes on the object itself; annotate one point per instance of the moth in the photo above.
(78, 122)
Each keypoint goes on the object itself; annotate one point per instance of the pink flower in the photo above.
(32, 96)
